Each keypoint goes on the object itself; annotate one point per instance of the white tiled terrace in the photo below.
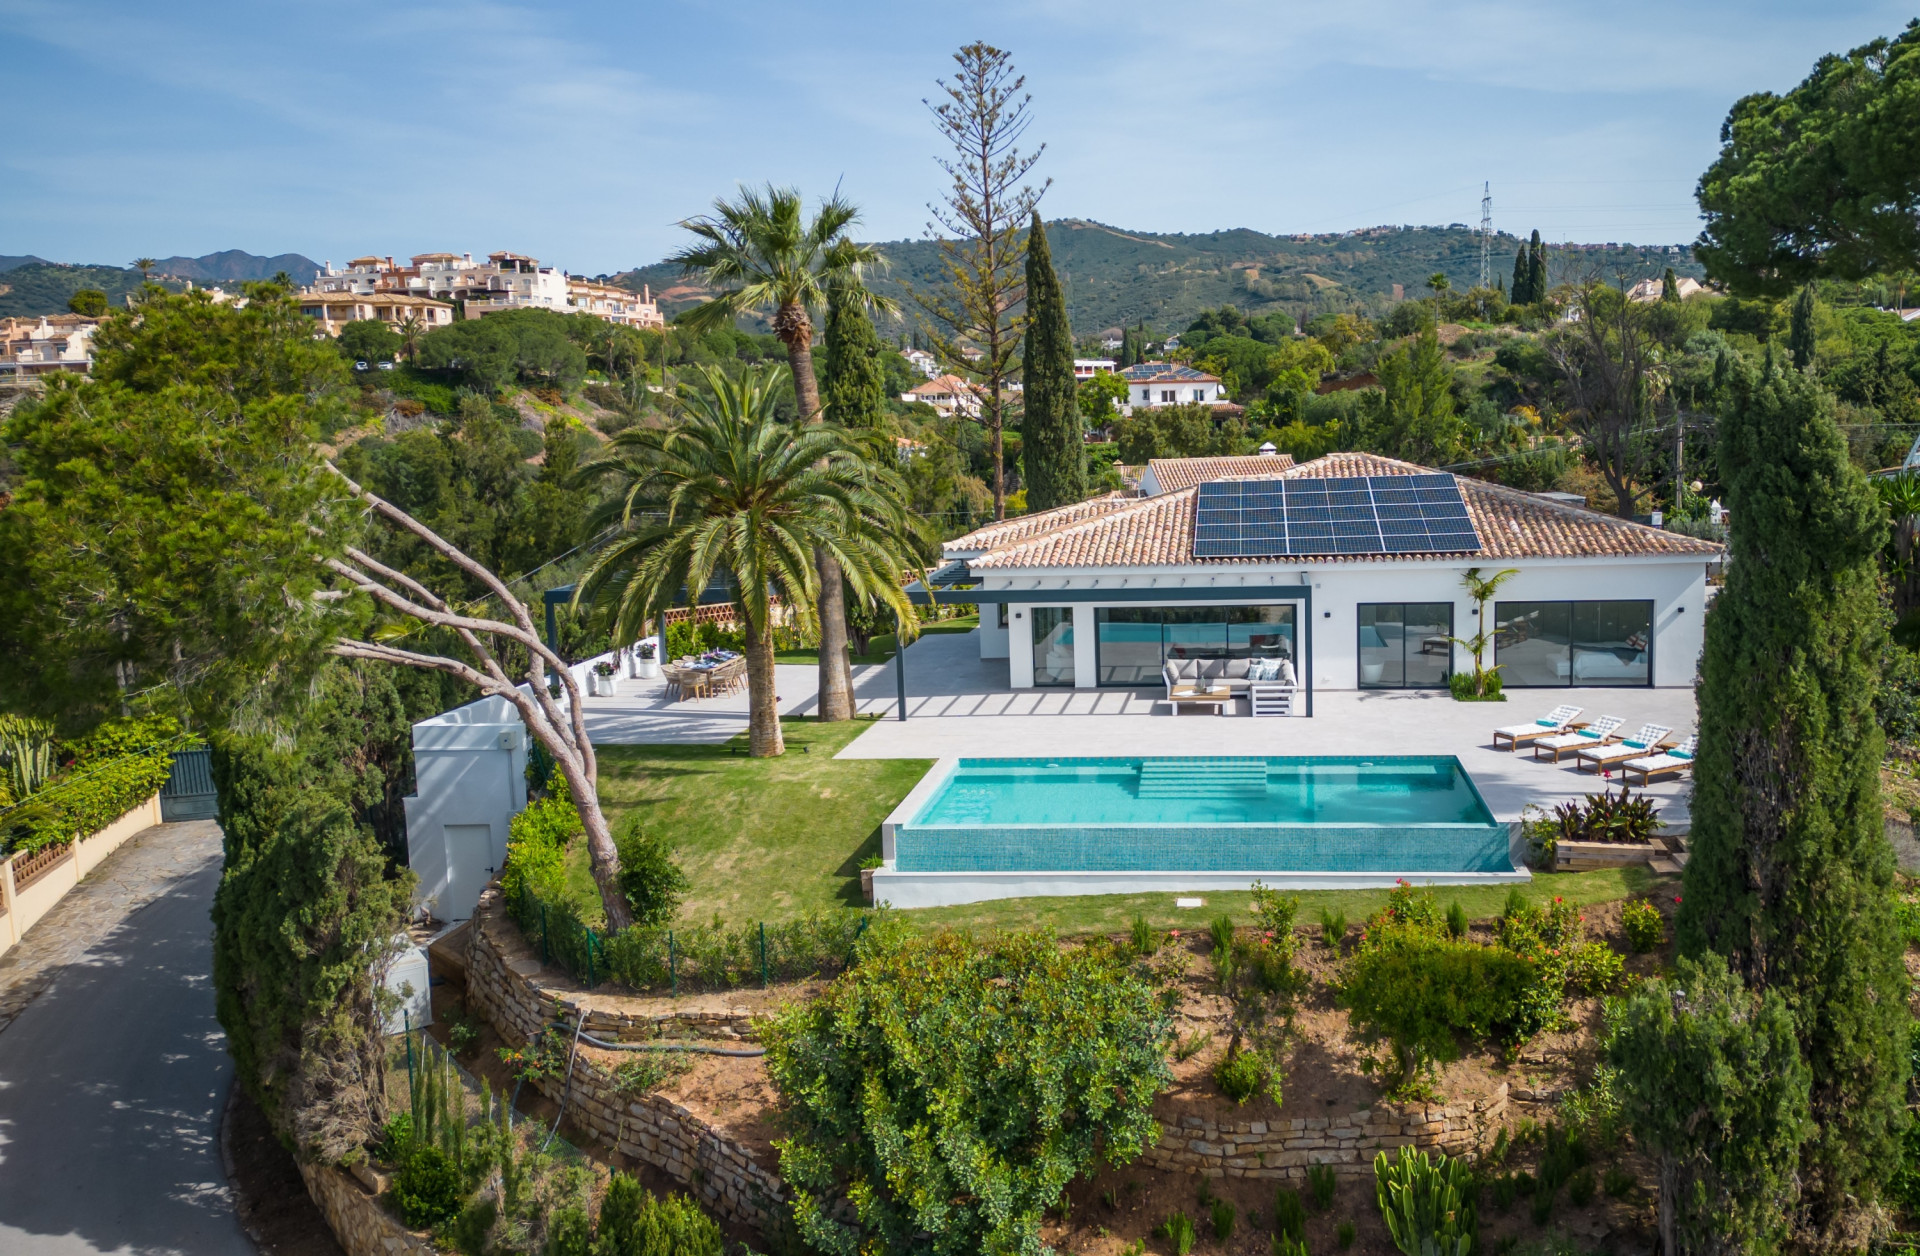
(959, 704)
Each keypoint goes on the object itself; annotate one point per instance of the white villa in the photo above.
(1155, 384)
(948, 394)
(1104, 592)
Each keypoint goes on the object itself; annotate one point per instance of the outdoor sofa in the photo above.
(1187, 679)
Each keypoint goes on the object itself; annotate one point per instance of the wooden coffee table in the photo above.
(1217, 698)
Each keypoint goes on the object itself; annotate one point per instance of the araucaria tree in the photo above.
(1052, 454)
(1791, 873)
(731, 489)
(761, 252)
(976, 315)
(1715, 1091)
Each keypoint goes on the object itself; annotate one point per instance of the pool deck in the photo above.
(961, 705)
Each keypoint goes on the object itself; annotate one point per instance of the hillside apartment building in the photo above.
(47, 345)
(505, 281)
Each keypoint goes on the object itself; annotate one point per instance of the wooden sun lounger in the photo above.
(1651, 738)
(1563, 718)
(1598, 733)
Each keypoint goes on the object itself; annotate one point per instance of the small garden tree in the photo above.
(949, 1090)
(1715, 1090)
(1482, 589)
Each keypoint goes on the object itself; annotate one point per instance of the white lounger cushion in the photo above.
(1596, 733)
(1649, 736)
(1559, 717)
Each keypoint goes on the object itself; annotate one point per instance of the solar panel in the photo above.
(1343, 515)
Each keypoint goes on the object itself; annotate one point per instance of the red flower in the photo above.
(1174, 934)
(1676, 898)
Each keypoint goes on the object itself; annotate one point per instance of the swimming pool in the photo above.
(1112, 825)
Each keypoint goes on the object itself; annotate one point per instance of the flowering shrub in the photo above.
(114, 769)
(1644, 926)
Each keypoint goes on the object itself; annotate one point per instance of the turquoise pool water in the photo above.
(1321, 814)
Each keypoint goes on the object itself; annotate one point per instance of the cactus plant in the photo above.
(1427, 1203)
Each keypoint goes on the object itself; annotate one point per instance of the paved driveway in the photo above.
(114, 1072)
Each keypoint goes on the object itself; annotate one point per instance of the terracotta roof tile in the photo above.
(1008, 531)
(1177, 473)
(1158, 531)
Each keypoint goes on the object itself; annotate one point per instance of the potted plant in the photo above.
(645, 665)
(605, 680)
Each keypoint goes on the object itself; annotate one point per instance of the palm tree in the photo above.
(144, 265)
(760, 253)
(731, 489)
(410, 329)
(1482, 590)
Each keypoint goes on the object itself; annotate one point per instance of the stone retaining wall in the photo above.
(1283, 1148)
(356, 1218)
(506, 985)
(509, 987)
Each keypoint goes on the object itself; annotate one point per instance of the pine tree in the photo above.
(1522, 277)
(1800, 330)
(1791, 873)
(856, 388)
(1536, 270)
(1669, 287)
(1051, 453)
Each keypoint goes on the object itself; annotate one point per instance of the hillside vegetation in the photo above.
(1114, 277)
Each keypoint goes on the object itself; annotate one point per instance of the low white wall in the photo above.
(21, 909)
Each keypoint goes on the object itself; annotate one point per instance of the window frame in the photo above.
(1359, 656)
(1574, 645)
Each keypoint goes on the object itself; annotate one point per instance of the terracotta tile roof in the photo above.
(1158, 531)
(1171, 474)
(1008, 531)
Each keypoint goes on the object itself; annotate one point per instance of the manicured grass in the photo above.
(761, 839)
(880, 648)
(769, 839)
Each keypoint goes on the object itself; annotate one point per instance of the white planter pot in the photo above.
(609, 686)
(646, 669)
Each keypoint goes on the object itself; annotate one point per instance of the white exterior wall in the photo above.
(1677, 588)
(994, 638)
(470, 779)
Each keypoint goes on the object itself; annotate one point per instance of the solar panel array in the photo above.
(1372, 514)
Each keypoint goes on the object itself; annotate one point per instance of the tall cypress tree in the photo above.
(1800, 330)
(856, 389)
(1536, 269)
(1669, 287)
(1791, 873)
(1052, 455)
(1522, 276)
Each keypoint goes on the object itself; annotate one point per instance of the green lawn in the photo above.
(767, 839)
(880, 649)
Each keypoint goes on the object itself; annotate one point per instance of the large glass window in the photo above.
(1405, 645)
(1052, 645)
(1131, 642)
(1574, 643)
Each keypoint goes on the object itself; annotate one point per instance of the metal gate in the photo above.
(188, 793)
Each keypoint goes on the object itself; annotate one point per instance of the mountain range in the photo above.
(1114, 277)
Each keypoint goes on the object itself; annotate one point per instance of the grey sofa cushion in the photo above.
(1181, 669)
(1236, 669)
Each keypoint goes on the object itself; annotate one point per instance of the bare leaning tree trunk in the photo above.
(835, 701)
(558, 724)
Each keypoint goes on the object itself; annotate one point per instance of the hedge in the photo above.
(113, 771)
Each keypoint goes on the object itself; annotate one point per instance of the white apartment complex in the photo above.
(332, 311)
(505, 281)
(48, 345)
(1156, 384)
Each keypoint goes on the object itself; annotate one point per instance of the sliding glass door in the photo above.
(1052, 645)
(1132, 642)
(1405, 645)
(1600, 644)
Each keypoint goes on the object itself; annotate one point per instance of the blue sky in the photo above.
(581, 132)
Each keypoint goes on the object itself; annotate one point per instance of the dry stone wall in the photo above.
(520, 997)
(508, 986)
(361, 1225)
(1283, 1148)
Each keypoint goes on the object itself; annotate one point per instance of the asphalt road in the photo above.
(113, 1076)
